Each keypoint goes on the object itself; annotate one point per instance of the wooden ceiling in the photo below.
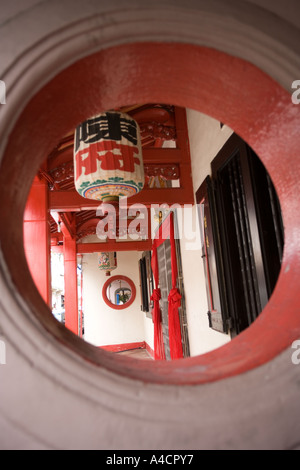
(166, 163)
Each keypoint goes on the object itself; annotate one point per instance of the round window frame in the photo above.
(119, 278)
(266, 126)
(274, 386)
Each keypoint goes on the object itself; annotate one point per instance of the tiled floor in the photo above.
(136, 354)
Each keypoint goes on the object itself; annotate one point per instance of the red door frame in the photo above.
(224, 87)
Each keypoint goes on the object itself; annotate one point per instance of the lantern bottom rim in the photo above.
(110, 199)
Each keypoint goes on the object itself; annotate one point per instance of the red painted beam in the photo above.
(71, 201)
(68, 227)
(57, 248)
(113, 245)
(162, 155)
(56, 238)
(150, 155)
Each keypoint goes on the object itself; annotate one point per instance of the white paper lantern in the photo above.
(107, 261)
(108, 160)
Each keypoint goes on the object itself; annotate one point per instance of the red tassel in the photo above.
(174, 299)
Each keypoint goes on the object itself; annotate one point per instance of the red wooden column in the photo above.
(70, 276)
(37, 238)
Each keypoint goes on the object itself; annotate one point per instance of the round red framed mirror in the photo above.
(119, 292)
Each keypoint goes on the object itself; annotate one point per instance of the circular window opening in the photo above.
(233, 358)
(119, 292)
(233, 237)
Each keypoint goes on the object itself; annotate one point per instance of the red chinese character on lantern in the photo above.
(113, 156)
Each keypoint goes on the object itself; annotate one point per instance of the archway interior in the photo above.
(205, 317)
(194, 67)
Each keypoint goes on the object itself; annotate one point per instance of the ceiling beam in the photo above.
(71, 201)
(113, 245)
(68, 227)
(150, 155)
(162, 155)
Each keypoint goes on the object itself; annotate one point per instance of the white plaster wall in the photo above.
(149, 332)
(104, 325)
(206, 139)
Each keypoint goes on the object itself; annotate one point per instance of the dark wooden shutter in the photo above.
(146, 282)
(236, 240)
(269, 221)
(218, 316)
(242, 235)
(143, 284)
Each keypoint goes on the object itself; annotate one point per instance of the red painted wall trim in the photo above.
(128, 347)
(124, 346)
